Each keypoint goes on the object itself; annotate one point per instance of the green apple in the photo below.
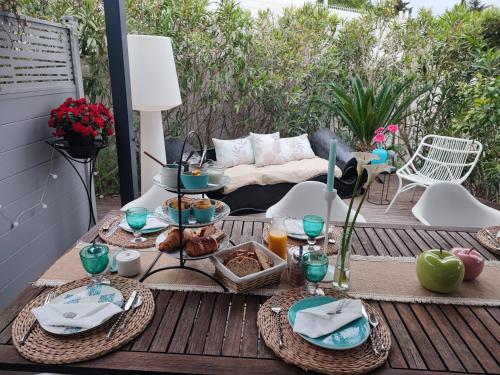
(440, 271)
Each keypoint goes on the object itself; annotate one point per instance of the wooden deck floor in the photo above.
(400, 212)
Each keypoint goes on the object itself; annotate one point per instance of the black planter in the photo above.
(80, 147)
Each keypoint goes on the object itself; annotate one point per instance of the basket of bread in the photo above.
(247, 267)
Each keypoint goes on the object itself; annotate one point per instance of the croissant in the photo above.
(172, 241)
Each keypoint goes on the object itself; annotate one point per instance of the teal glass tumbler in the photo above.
(313, 226)
(136, 219)
(95, 259)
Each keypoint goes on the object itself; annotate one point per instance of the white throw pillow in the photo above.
(234, 152)
(267, 149)
(296, 148)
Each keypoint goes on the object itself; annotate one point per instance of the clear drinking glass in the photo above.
(278, 239)
(136, 219)
(313, 226)
(95, 260)
(314, 266)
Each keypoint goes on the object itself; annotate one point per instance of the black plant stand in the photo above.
(385, 180)
(180, 193)
(88, 160)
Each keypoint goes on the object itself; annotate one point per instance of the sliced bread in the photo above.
(242, 266)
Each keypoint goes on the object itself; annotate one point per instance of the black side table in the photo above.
(381, 198)
(87, 156)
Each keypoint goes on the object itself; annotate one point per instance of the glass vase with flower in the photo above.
(342, 272)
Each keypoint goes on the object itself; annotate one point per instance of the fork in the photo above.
(24, 337)
(277, 311)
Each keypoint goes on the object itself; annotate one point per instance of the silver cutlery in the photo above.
(492, 237)
(339, 308)
(127, 307)
(113, 227)
(277, 312)
(372, 319)
(135, 305)
(24, 337)
(108, 223)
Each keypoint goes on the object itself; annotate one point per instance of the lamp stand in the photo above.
(152, 141)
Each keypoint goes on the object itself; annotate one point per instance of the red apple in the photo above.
(473, 262)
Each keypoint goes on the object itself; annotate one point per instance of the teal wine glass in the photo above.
(136, 219)
(314, 267)
(313, 226)
(95, 260)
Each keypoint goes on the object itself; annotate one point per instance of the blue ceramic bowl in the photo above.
(204, 215)
(174, 214)
(194, 182)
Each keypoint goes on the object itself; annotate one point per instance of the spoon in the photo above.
(137, 303)
(277, 311)
(372, 319)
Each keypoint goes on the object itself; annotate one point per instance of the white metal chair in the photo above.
(438, 159)
(307, 198)
(451, 205)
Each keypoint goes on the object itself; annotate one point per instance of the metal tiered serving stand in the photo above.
(182, 226)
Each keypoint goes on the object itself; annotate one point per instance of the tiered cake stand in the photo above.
(181, 255)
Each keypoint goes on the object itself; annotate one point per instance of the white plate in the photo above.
(176, 254)
(85, 294)
(299, 236)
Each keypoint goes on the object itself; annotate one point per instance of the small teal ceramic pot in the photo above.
(382, 154)
(194, 182)
(174, 214)
(204, 215)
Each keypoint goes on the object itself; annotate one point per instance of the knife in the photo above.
(127, 307)
(114, 227)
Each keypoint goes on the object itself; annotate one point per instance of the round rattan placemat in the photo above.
(122, 238)
(43, 347)
(484, 240)
(301, 353)
(332, 248)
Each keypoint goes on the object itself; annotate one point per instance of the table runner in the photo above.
(381, 278)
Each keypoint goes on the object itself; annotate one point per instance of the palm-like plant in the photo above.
(369, 108)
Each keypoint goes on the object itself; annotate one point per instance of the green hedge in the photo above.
(239, 74)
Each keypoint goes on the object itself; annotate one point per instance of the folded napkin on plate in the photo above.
(88, 315)
(316, 321)
(294, 226)
(152, 223)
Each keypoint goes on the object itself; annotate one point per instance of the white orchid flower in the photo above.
(375, 169)
(364, 158)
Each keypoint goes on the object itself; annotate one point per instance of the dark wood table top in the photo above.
(216, 333)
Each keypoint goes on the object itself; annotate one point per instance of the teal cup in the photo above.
(194, 182)
(204, 215)
(174, 213)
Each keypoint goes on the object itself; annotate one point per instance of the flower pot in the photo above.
(80, 147)
(382, 154)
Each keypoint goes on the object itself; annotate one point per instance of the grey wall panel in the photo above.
(51, 245)
(38, 74)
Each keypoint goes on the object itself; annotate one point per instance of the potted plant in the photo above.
(85, 127)
(379, 141)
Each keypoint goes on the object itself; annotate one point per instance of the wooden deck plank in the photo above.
(412, 240)
(408, 348)
(472, 341)
(390, 244)
(232, 341)
(488, 321)
(215, 337)
(185, 323)
(380, 248)
(356, 245)
(476, 245)
(365, 241)
(202, 324)
(422, 342)
(250, 340)
(264, 351)
(142, 343)
(166, 328)
(447, 354)
(459, 347)
(398, 243)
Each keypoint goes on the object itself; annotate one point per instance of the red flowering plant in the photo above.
(380, 134)
(77, 119)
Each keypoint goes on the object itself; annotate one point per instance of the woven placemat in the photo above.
(43, 347)
(122, 238)
(332, 248)
(309, 357)
(484, 240)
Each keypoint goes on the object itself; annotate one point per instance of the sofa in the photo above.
(258, 197)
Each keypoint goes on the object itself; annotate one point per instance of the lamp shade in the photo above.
(153, 77)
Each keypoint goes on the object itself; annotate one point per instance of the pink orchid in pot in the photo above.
(379, 140)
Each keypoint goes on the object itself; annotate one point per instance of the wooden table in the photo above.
(215, 333)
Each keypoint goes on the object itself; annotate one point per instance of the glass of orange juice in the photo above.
(278, 240)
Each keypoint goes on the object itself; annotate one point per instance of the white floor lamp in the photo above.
(154, 86)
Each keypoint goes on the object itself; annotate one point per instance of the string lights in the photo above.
(41, 202)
